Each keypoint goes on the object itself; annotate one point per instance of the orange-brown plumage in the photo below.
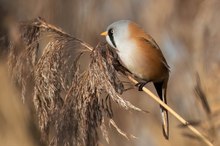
(154, 65)
(141, 55)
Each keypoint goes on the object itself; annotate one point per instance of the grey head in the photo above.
(117, 31)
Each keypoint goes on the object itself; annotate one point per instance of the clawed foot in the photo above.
(140, 85)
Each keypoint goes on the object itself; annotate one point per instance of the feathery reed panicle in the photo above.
(70, 103)
(23, 56)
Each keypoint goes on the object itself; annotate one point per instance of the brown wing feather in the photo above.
(146, 41)
(155, 66)
(152, 42)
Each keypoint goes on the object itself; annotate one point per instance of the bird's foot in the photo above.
(140, 85)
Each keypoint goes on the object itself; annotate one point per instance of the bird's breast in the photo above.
(141, 62)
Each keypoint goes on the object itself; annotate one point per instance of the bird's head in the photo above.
(117, 32)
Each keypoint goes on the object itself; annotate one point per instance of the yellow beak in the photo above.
(104, 33)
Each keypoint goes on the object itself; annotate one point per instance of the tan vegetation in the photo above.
(187, 32)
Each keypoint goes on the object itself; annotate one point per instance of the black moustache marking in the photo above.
(110, 34)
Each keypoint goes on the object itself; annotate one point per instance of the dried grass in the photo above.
(70, 104)
(187, 32)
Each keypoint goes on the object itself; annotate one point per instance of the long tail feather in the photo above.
(161, 91)
(165, 122)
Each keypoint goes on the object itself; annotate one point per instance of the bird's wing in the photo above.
(150, 41)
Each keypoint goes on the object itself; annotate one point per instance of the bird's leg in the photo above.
(140, 85)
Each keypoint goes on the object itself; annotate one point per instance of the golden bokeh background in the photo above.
(188, 33)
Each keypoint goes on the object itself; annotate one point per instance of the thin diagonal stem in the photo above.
(177, 116)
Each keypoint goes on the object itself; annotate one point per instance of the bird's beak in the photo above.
(104, 33)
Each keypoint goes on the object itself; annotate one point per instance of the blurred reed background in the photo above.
(188, 34)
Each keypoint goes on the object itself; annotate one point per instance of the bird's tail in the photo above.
(161, 90)
(165, 122)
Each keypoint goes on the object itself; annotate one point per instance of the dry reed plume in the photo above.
(70, 104)
(187, 32)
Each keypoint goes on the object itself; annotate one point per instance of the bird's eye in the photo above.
(111, 36)
(110, 32)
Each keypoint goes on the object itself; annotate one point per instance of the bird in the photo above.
(139, 53)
